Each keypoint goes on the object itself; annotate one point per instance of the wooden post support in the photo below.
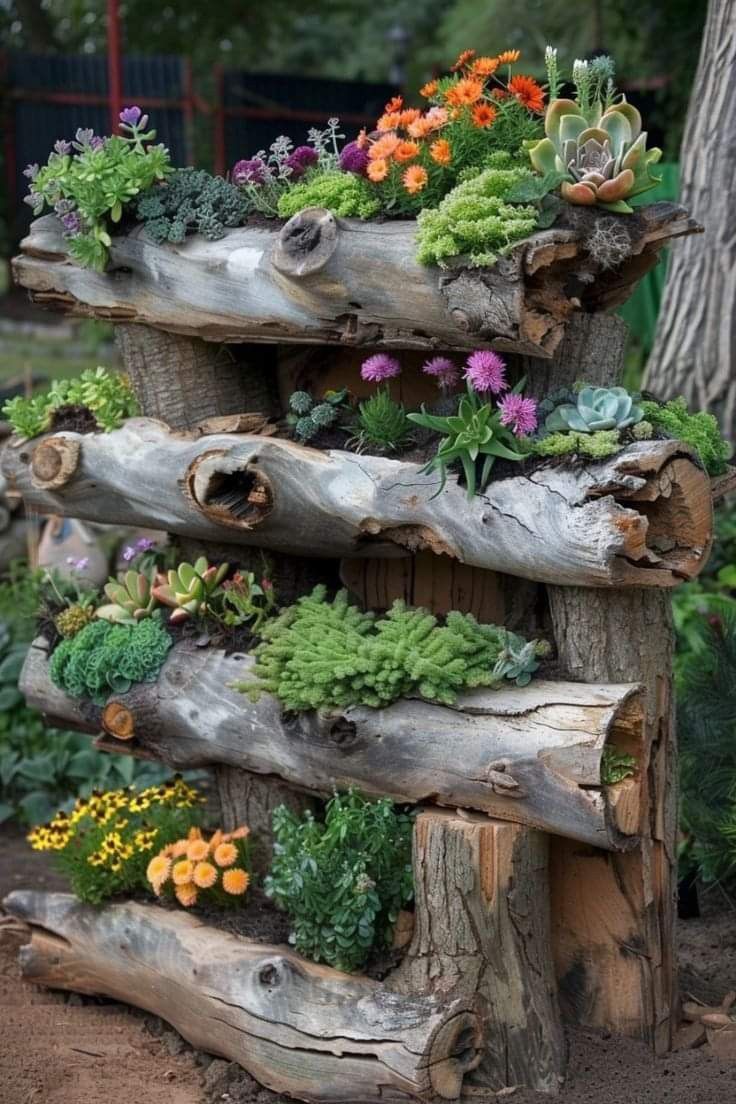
(481, 931)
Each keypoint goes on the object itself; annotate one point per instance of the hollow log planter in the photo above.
(531, 755)
(297, 1027)
(324, 280)
(641, 518)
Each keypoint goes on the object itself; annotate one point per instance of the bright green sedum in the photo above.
(344, 194)
(108, 395)
(700, 430)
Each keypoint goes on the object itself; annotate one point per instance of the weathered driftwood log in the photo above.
(301, 1029)
(481, 931)
(642, 518)
(324, 280)
(531, 755)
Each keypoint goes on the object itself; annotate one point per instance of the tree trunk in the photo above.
(694, 352)
(299, 1028)
(481, 931)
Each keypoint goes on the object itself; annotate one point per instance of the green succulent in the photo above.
(602, 152)
(131, 599)
(597, 408)
(475, 431)
(616, 765)
(308, 417)
(190, 588)
(598, 445)
(73, 619)
(383, 423)
(300, 403)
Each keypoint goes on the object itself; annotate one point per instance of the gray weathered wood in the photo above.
(641, 518)
(482, 931)
(301, 1029)
(364, 288)
(531, 755)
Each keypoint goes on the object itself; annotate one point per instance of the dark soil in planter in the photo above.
(74, 418)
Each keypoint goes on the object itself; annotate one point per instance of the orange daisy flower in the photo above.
(429, 89)
(466, 91)
(406, 151)
(383, 148)
(484, 115)
(205, 875)
(484, 67)
(186, 895)
(441, 152)
(225, 854)
(157, 871)
(198, 850)
(437, 116)
(389, 121)
(182, 871)
(462, 60)
(235, 881)
(239, 833)
(415, 179)
(421, 127)
(394, 104)
(216, 839)
(527, 92)
(377, 170)
(408, 116)
(179, 848)
(508, 57)
(362, 140)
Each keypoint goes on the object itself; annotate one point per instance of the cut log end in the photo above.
(117, 720)
(306, 243)
(455, 1050)
(54, 462)
(228, 491)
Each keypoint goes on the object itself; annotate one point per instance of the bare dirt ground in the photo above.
(62, 1049)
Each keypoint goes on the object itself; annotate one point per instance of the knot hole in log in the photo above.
(229, 492)
(306, 242)
(269, 975)
(455, 1050)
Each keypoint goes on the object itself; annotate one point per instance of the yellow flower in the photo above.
(198, 850)
(205, 875)
(226, 854)
(186, 895)
(182, 872)
(235, 881)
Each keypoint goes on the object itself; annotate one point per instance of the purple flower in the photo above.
(96, 142)
(486, 371)
(519, 413)
(62, 147)
(251, 171)
(78, 565)
(445, 374)
(300, 159)
(71, 222)
(130, 116)
(380, 367)
(143, 544)
(354, 159)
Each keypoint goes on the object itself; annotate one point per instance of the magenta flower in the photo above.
(301, 159)
(354, 159)
(486, 371)
(519, 413)
(251, 171)
(445, 374)
(380, 367)
(130, 116)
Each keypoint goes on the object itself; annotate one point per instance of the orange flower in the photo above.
(182, 871)
(462, 60)
(414, 179)
(216, 839)
(377, 170)
(508, 57)
(484, 115)
(441, 152)
(421, 127)
(179, 848)
(362, 140)
(466, 91)
(235, 881)
(157, 871)
(225, 854)
(409, 116)
(198, 850)
(186, 895)
(383, 148)
(427, 90)
(484, 67)
(406, 151)
(205, 875)
(394, 104)
(239, 833)
(389, 122)
(437, 116)
(195, 833)
(527, 92)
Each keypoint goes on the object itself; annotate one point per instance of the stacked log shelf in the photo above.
(513, 812)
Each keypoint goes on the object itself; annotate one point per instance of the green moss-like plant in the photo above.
(191, 201)
(320, 653)
(382, 423)
(343, 882)
(700, 430)
(616, 765)
(475, 220)
(107, 395)
(598, 445)
(344, 194)
(104, 658)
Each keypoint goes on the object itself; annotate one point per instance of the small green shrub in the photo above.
(319, 653)
(344, 194)
(105, 657)
(700, 430)
(343, 882)
(191, 201)
(108, 395)
(382, 423)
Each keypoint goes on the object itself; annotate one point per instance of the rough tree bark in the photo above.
(481, 931)
(694, 352)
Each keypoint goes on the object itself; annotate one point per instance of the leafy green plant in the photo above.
(700, 430)
(597, 408)
(344, 194)
(320, 653)
(189, 589)
(476, 220)
(246, 602)
(191, 201)
(616, 765)
(107, 395)
(342, 882)
(131, 599)
(598, 445)
(104, 658)
(90, 181)
(475, 431)
(382, 423)
(308, 417)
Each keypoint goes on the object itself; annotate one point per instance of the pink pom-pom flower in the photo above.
(486, 371)
(518, 413)
(380, 367)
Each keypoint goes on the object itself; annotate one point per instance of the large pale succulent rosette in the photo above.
(605, 158)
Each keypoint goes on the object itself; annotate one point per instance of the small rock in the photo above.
(174, 1043)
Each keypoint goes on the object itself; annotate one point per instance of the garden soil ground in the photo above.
(56, 1049)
